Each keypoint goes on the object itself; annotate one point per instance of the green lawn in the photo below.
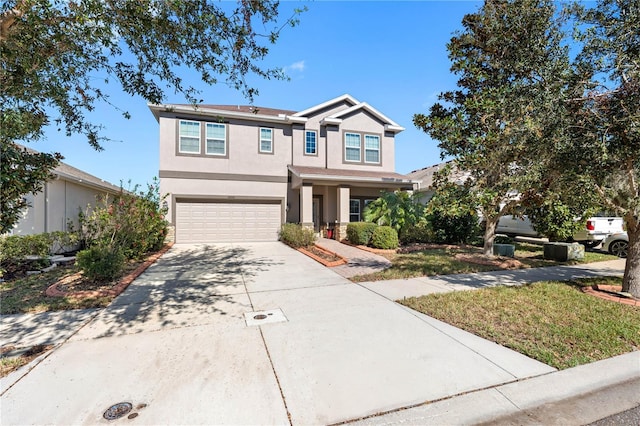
(26, 295)
(553, 322)
(442, 262)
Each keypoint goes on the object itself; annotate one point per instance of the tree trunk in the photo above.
(631, 280)
(490, 235)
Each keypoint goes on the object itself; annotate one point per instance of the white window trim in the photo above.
(316, 142)
(370, 149)
(224, 140)
(199, 137)
(359, 160)
(359, 209)
(260, 140)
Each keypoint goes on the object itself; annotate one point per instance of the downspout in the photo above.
(46, 207)
(326, 146)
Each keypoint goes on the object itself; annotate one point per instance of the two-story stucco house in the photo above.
(236, 173)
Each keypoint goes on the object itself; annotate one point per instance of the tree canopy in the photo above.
(510, 61)
(54, 52)
(603, 153)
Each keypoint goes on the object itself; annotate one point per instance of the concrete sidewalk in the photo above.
(178, 346)
(360, 262)
(420, 286)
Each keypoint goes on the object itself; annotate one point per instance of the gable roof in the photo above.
(274, 115)
(344, 98)
(425, 176)
(73, 174)
(389, 124)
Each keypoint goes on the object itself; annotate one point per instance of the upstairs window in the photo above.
(352, 147)
(371, 149)
(310, 143)
(266, 140)
(216, 139)
(189, 137)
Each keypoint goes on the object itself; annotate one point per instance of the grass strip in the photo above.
(551, 321)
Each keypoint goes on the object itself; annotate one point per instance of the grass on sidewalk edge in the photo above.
(552, 322)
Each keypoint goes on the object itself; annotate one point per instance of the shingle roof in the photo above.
(64, 170)
(338, 173)
(425, 175)
(246, 108)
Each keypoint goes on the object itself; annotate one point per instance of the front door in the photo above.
(316, 214)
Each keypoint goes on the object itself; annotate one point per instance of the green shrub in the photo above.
(384, 237)
(418, 233)
(296, 236)
(452, 228)
(42, 245)
(360, 232)
(132, 222)
(100, 263)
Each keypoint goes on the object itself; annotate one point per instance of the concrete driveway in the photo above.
(176, 345)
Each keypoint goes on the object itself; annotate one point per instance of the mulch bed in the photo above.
(324, 256)
(77, 286)
(410, 248)
(499, 262)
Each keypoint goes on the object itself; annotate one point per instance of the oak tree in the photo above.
(602, 155)
(510, 61)
(54, 53)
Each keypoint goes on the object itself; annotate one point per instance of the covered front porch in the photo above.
(326, 200)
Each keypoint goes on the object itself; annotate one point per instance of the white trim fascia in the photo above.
(345, 97)
(372, 110)
(106, 188)
(293, 119)
(330, 121)
(394, 129)
(354, 179)
(156, 109)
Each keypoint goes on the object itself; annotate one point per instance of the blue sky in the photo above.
(390, 54)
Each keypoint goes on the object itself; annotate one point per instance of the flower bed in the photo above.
(324, 256)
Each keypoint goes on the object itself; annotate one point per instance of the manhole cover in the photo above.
(260, 317)
(118, 410)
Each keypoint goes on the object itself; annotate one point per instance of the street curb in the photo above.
(578, 395)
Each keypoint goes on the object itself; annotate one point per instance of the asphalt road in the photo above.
(626, 418)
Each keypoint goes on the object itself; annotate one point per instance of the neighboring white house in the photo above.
(61, 200)
(423, 188)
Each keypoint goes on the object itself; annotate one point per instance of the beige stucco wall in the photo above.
(219, 189)
(243, 156)
(361, 122)
(53, 208)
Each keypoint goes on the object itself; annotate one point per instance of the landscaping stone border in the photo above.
(326, 263)
(608, 292)
(54, 291)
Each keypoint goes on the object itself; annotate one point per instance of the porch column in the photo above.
(342, 213)
(306, 205)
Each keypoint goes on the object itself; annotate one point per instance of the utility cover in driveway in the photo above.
(264, 317)
(209, 222)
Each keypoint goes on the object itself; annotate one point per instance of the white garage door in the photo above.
(209, 222)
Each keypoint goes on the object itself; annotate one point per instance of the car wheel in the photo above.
(619, 248)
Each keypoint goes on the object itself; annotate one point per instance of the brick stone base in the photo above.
(340, 232)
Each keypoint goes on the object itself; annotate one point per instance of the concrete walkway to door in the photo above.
(360, 262)
(261, 334)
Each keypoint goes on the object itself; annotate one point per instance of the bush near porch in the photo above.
(372, 235)
(296, 236)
